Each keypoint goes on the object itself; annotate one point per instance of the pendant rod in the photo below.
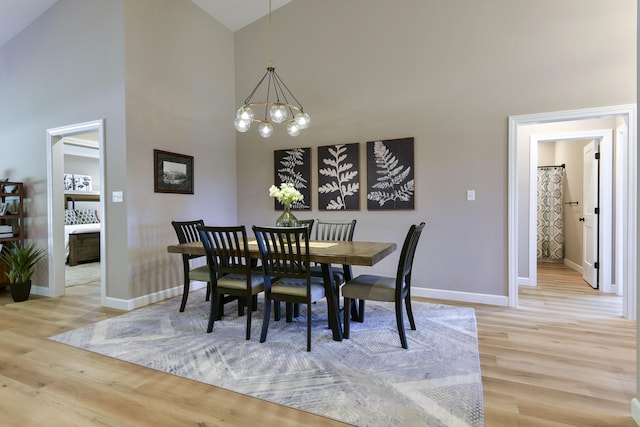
(270, 37)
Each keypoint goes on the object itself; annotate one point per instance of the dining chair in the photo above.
(230, 270)
(308, 223)
(338, 230)
(391, 289)
(287, 277)
(334, 230)
(187, 232)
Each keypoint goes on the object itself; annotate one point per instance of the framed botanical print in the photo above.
(294, 166)
(390, 174)
(339, 177)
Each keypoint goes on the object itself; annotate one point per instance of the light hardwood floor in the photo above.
(565, 357)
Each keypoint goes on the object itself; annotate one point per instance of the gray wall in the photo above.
(448, 74)
(179, 98)
(160, 72)
(66, 68)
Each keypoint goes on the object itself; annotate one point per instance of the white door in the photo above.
(589, 218)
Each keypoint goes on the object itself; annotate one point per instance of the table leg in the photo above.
(357, 306)
(332, 302)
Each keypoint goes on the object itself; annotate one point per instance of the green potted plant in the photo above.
(21, 261)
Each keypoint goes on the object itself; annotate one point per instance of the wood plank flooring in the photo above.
(565, 357)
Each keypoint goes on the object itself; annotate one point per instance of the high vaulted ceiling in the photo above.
(16, 15)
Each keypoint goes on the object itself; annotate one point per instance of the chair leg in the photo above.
(242, 301)
(213, 311)
(296, 310)
(289, 311)
(407, 303)
(308, 327)
(208, 296)
(345, 332)
(249, 310)
(220, 298)
(357, 310)
(254, 300)
(265, 320)
(400, 322)
(185, 293)
(276, 310)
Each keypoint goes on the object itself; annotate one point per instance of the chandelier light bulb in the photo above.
(245, 113)
(293, 129)
(278, 113)
(242, 125)
(302, 120)
(265, 130)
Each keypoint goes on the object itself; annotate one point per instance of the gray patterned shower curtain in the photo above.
(550, 213)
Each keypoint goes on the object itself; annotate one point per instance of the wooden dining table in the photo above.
(325, 253)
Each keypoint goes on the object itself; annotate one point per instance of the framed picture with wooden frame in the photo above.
(173, 172)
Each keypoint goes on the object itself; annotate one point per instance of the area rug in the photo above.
(367, 380)
(81, 274)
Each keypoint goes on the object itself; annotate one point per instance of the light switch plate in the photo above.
(471, 195)
(117, 197)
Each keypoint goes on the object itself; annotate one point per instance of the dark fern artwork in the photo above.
(294, 166)
(390, 174)
(339, 177)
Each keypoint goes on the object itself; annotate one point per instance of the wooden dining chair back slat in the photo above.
(187, 232)
(335, 230)
(230, 270)
(286, 267)
(391, 289)
(405, 264)
(308, 223)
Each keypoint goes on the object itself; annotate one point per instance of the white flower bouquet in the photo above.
(286, 194)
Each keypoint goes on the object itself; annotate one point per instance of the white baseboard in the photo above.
(141, 301)
(460, 296)
(122, 304)
(41, 290)
(572, 265)
(635, 410)
(525, 281)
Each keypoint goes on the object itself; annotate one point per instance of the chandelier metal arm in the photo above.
(279, 80)
(248, 99)
(275, 111)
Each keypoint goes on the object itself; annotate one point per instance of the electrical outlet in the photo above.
(117, 197)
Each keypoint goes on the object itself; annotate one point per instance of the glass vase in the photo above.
(287, 219)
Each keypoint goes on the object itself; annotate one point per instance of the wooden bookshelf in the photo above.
(12, 197)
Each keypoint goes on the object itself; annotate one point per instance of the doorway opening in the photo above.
(56, 201)
(598, 235)
(519, 218)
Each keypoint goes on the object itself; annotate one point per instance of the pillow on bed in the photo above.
(70, 217)
(86, 216)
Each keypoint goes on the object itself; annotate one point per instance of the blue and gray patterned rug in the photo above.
(367, 380)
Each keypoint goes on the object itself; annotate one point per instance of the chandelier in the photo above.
(280, 105)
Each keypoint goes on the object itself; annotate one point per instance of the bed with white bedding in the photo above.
(82, 243)
(81, 233)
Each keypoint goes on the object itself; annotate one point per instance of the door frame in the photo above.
(605, 138)
(55, 205)
(628, 195)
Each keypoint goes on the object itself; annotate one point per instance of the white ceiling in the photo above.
(16, 15)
